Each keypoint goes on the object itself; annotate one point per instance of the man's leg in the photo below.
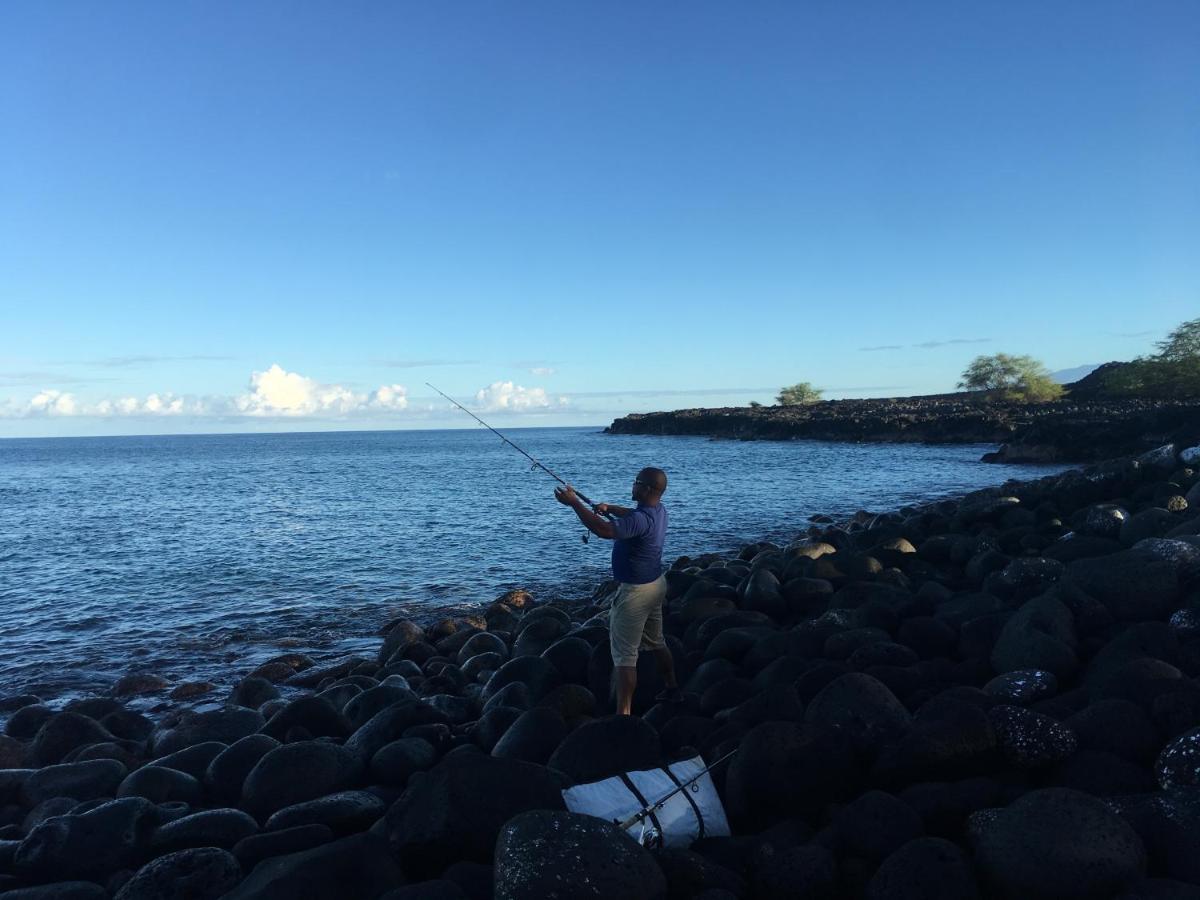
(626, 678)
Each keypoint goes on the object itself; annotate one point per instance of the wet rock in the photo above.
(1145, 640)
(396, 762)
(62, 733)
(1149, 523)
(1030, 740)
(204, 873)
(688, 874)
(1128, 586)
(140, 683)
(544, 854)
(1040, 635)
(60, 890)
(455, 811)
(605, 747)
(861, 706)
(81, 780)
(209, 828)
(297, 772)
(27, 721)
(783, 770)
(390, 725)
(1179, 763)
(315, 714)
(573, 702)
(161, 785)
(127, 725)
(533, 737)
(252, 850)
(13, 753)
(226, 725)
(926, 868)
(1058, 843)
(1022, 687)
(875, 824)
(538, 676)
(89, 845)
(950, 738)
(1116, 726)
(808, 872)
(570, 656)
(343, 813)
(355, 866)
(482, 642)
(252, 692)
(193, 760)
(227, 772)
(1103, 520)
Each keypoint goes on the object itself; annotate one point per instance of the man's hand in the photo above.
(566, 495)
(601, 509)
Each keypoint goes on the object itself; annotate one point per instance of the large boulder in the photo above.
(1058, 844)
(209, 828)
(89, 845)
(225, 775)
(926, 868)
(559, 854)
(64, 732)
(297, 772)
(861, 706)
(1131, 587)
(227, 724)
(355, 866)
(455, 811)
(1040, 635)
(1030, 740)
(343, 813)
(87, 780)
(606, 747)
(533, 737)
(202, 873)
(784, 770)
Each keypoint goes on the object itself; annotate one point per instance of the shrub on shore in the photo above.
(798, 394)
(1020, 378)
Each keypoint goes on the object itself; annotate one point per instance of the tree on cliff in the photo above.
(1021, 378)
(1171, 373)
(798, 394)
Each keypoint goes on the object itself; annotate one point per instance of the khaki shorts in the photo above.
(636, 620)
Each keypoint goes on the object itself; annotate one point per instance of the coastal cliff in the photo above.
(1058, 431)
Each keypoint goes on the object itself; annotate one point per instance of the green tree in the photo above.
(1170, 374)
(1182, 344)
(1020, 378)
(798, 395)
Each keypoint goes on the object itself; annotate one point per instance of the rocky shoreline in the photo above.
(1070, 431)
(990, 697)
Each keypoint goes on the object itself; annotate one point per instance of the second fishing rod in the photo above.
(537, 464)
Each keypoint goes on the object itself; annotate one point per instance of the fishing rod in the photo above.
(537, 464)
(648, 810)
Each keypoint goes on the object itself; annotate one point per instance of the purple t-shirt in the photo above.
(638, 544)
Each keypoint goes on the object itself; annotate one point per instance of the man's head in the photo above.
(650, 485)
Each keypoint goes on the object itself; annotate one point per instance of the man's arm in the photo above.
(611, 509)
(597, 525)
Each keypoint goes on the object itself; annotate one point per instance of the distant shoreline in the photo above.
(1061, 431)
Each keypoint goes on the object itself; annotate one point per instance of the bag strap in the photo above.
(688, 794)
(628, 782)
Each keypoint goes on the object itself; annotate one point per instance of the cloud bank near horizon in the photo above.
(271, 393)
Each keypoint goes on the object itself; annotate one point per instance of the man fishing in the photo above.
(636, 620)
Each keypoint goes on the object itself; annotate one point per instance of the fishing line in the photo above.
(536, 463)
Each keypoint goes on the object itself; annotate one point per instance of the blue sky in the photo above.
(273, 216)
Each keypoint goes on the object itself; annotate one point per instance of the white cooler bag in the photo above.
(693, 813)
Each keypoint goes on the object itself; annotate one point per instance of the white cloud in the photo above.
(52, 403)
(276, 392)
(272, 393)
(507, 396)
(542, 371)
(390, 396)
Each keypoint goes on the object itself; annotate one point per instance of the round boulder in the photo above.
(547, 854)
(1058, 844)
(606, 747)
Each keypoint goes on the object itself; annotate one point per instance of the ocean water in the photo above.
(197, 557)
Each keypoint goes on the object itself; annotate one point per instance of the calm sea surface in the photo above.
(196, 557)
